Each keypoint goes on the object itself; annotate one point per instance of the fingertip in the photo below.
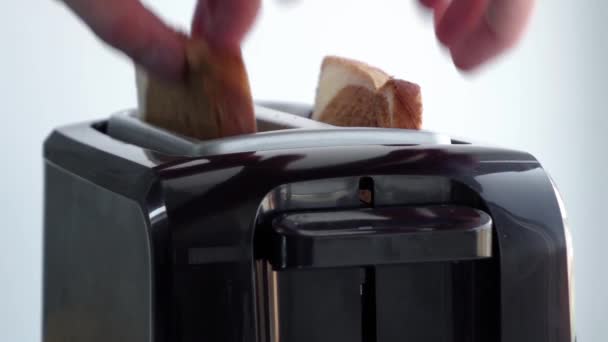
(464, 66)
(460, 18)
(161, 52)
(478, 48)
(168, 63)
(461, 60)
(224, 22)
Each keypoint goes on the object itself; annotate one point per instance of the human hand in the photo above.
(131, 28)
(477, 31)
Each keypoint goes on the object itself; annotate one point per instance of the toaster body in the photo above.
(302, 232)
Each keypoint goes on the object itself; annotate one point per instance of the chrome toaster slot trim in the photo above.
(277, 131)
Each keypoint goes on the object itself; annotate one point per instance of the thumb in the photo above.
(224, 22)
(131, 28)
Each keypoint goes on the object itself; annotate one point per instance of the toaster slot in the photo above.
(321, 305)
(276, 130)
(414, 302)
(309, 305)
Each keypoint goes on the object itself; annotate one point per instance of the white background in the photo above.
(548, 97)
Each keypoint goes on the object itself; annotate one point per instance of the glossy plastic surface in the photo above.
(380, 236)
(206, 211)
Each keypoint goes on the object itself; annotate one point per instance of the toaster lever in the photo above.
(379, 236)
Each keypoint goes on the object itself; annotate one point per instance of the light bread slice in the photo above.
(352, 93)
(213, 101)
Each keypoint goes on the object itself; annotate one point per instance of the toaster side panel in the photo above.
(97, 273)
(535, 291)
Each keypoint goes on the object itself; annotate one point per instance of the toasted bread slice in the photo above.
(213, 101)
(352, 93)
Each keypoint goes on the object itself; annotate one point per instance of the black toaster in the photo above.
(303, 232)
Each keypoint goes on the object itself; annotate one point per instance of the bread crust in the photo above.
(213, 101)
(353, 93)
(404, 103)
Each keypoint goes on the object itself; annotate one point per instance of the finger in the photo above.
(128, 26)
(430, 3)
(460, 18)
(499, 30)
(439, 10)
(224, 22)
(478, 47)
(509, 18)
